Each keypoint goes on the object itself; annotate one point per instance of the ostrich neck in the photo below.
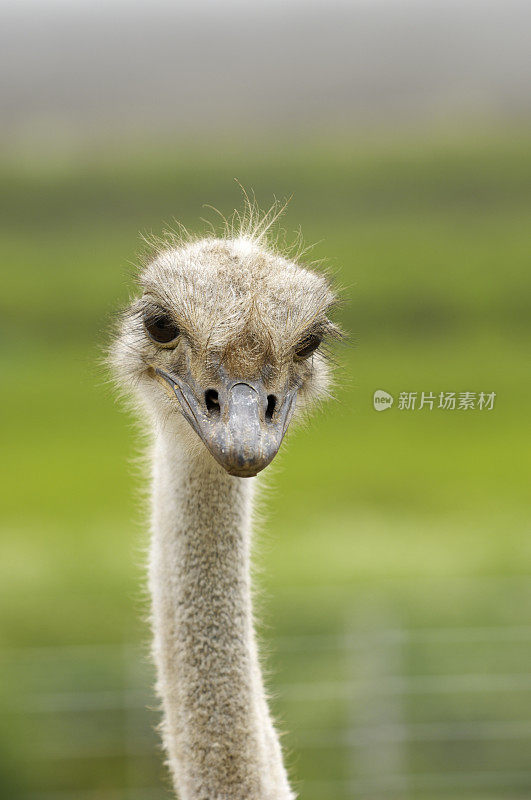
(220, 741)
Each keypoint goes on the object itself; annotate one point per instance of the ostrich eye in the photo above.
(161, 328)
(307, 346)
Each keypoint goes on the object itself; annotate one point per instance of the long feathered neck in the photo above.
(217, 731)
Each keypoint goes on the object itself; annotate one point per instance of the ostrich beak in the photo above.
(241, 425)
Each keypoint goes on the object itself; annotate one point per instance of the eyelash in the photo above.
(307, 346)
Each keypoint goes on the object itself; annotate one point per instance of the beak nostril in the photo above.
(271, 404)
(212, 401)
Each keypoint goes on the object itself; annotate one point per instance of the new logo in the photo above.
(382, 400)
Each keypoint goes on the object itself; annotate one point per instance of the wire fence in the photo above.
(365, 722)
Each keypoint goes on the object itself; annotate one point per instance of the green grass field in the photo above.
(403, 519)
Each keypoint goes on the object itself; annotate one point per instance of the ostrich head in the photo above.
(226, 343)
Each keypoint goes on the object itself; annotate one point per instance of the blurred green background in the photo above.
(395, 587)
(381, 528)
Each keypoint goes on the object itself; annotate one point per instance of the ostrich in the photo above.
(223, 347)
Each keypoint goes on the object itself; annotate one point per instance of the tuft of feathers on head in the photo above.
(250, 224)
